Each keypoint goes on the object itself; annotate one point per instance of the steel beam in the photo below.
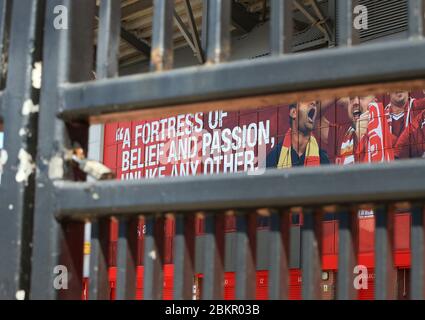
(347, 36)
(303, 186)
(416, 18)
(20, 129)
(184, 256)
(417, 277)
(213, 257)
(281, 27)
(184, 31)
(245, 255)
(113, 25)
(154, 258)
(162, 41)
(109, 39)
(69, 56)
(126, 259)
(218, 34)
(194, 30)
(1, 105)
(331, 68)
(347, 254)
(139, 44)
(311, 261)
(385, 285)
(5, 10)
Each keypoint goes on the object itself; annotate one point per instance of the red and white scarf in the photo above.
(376, 144)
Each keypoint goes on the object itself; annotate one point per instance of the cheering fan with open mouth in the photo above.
(357, 145)
(300, 147)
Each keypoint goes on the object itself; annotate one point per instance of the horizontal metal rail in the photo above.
(1, 105)
(304, 186)
(329, 68)
(57, 240)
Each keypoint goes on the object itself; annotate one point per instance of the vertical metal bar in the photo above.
(68, 54)
(416, 18)
(213, 284)
(279, 255)
(346, 34)
(99, 257)
(311, 264)
(153, 260)
(94, 263)
(108, 38)
(417, 277)
(204, 34)
(218, 43)
(126, 259)
(184, 257)
(5, 9)
(72, 258)
(107, 62)
(384, 266)
(281, 26)
(1, 113)
(162, 36)
(17, 188)
(141, 228)
(346, 254)
(246, 229)
(331, 14)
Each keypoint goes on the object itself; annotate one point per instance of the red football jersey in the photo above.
(411, 143)
(398, 123)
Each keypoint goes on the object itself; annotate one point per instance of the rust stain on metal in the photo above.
(161, 59)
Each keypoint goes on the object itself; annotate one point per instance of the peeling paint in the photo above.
(23, 132)
(29, 108)
(152, 255)
(36, 75)
(20, 295)
(3, 159)
(26, 166)
(56, 168)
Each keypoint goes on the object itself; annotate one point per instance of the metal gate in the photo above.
(44, 207)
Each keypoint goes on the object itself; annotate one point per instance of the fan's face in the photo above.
(358, 105)
(399, 98)
(306, 115)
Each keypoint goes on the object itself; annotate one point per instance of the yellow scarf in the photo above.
(312, 156)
